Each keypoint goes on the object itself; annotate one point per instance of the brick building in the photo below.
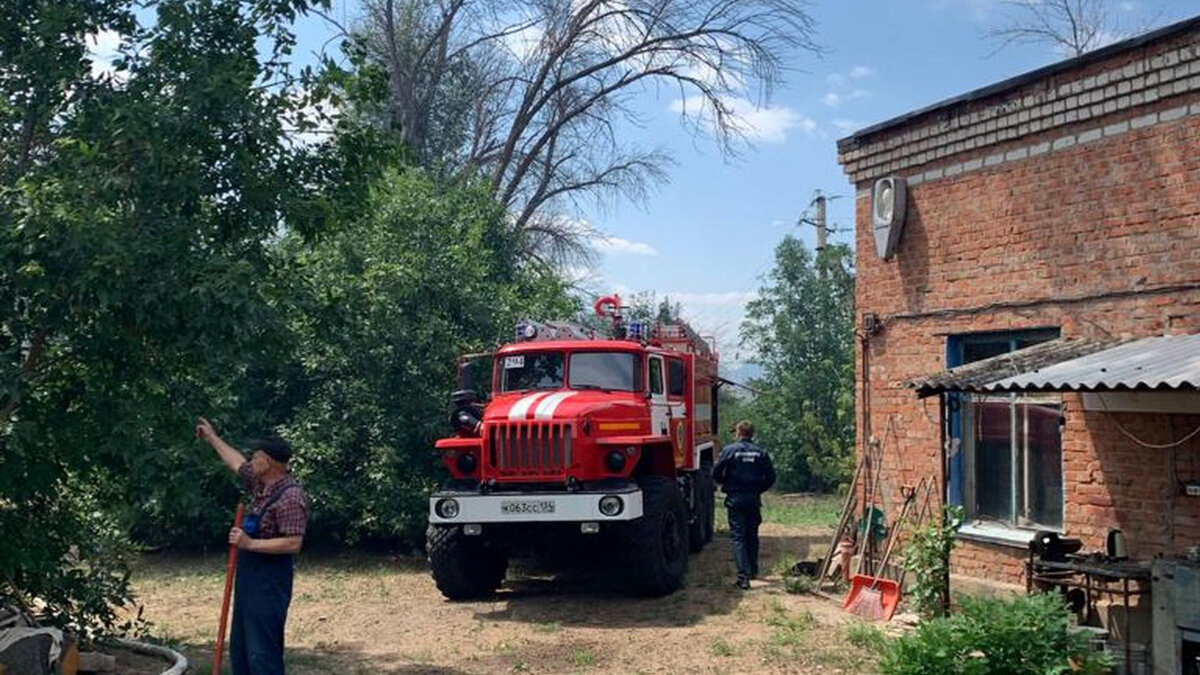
(1060, 208)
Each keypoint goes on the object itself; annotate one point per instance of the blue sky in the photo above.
(707, 236)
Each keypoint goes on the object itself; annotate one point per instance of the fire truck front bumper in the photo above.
(452, 508)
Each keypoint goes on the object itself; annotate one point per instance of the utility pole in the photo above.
(819, 221)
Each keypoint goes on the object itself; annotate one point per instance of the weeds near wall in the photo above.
(927, 559)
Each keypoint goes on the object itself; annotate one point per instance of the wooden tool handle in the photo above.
(229, 569)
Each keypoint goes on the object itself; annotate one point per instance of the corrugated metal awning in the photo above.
(1157, 363)
(977, 375)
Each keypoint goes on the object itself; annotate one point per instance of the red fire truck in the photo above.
(583, 438)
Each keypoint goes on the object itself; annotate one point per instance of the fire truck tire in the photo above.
(463, 567)
(657, 543)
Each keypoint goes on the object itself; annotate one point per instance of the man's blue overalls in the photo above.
(263, 590)
(744, 471)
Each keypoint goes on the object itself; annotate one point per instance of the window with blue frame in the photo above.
(1006, 466)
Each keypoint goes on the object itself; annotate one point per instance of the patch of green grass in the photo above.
(790, 637)
(583, 658)
(547, 627)
(799, 584)
(720, 647)
(783, 565)
(866, 636)
(790, 630)
(802, 510)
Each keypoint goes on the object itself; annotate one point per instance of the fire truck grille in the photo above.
(529, 448)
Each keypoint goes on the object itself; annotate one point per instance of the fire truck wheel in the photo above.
(657, 543)
(464, 567)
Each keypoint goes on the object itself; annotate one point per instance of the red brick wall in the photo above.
(1097, 239)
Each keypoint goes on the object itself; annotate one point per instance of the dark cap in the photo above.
(275, 447)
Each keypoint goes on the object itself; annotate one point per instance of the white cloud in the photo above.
(836, 80)
(606, 244)
(525, 43)
(103, 49)
(834, 99)
(717, 314)
(768, 124)
(859, 72)
(978, 9)
(1128, 6)
(846, 126)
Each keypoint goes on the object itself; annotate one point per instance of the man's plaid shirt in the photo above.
(288, 516)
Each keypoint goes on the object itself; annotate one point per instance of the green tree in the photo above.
(381, 309)
(137, 212)
(801, 331)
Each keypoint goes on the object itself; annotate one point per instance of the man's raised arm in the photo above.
(205, 432)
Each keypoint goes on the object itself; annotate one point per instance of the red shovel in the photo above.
(237, 522)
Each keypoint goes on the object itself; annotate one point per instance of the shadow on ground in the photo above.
(596, 598)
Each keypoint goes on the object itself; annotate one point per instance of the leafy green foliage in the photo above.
(801, 330)
(137, 211)
(1024, 635)
(380, 311)
(170, 249)
(927, 557)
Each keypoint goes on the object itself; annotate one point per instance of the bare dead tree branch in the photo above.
(528, 95)
(1073, 27)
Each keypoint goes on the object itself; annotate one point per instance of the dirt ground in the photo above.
(359, 613)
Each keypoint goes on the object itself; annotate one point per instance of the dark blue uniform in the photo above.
(744, 472)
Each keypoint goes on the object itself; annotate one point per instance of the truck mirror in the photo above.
(466, 376)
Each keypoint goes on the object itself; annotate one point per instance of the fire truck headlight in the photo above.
(466, 462)
(447, 508)
(615, 461)
(611, 506)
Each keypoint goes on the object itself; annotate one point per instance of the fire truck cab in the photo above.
(610, 436)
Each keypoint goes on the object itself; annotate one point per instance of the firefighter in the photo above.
(744, 471)
(271, 534)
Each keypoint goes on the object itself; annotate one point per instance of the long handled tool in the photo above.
(847, 516)
(873, 597)
(237, 522)
(871, 485)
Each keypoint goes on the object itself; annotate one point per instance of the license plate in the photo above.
(523, 507)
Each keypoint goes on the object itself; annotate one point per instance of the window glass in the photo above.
(1042, 479)
(535, 370)
(656, 375)
(1015, 447)
(613, 371)
(1012, 442)
(993, 458)
(676, 380)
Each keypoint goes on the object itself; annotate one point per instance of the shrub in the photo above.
(1025, 635)
(927, 557)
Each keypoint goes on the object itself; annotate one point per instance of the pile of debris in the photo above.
(27, 648)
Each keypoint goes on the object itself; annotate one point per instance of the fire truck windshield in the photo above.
(610, 371)
(534, 370)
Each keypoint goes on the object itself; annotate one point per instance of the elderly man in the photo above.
(272, 533)
(744, 471)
